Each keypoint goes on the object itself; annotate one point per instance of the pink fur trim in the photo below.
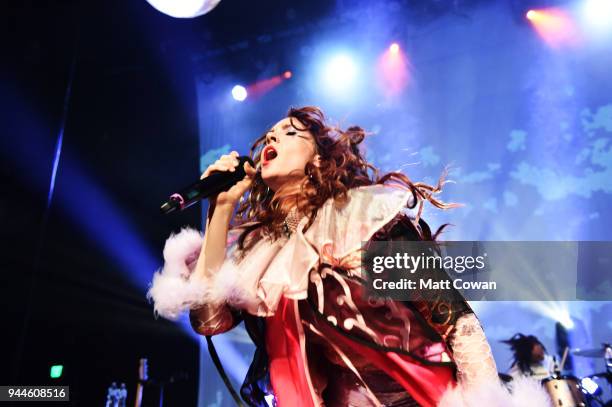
(526, 392)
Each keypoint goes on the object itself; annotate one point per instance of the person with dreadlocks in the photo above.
(281, 253)
(529, 357)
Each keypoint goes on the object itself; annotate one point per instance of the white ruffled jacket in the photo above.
(273, 268)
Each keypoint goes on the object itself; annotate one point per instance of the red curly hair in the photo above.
(342, 167)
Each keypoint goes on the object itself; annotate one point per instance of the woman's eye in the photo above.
(291, 133)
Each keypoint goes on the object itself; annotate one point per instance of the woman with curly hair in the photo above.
(281, 253)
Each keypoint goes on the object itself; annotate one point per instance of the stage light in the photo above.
(239, 93)
(287, 75)
(598, 11)
(56, 371)
(531, 14)
(555, 26)
(392, 71)
(597, 15)
(184, 8)
(564, 319)
(340, 72)
(555, 310)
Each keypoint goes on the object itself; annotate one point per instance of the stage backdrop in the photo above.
(525, 127)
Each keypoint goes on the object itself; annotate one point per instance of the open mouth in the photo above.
(269, 154)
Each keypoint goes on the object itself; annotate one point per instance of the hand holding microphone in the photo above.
(225, 181)
(234, 164)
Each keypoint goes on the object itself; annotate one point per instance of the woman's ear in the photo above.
(316, 161)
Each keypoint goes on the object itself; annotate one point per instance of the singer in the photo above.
(288, 265)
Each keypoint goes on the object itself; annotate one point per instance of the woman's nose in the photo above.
(272, 138)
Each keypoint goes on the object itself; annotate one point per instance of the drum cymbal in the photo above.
(605, 375)
(593, 353)
(590, 353)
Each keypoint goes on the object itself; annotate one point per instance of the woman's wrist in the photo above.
(224, 209)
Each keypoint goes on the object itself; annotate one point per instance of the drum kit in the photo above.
(569, 391)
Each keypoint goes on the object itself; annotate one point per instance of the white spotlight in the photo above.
(340, 72)
(557, 311)
(184, 8)
(239, 93)
(597, 14)
(565, 320)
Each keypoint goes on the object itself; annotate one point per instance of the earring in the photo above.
(310, 176)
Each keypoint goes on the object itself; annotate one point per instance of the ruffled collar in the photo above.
(255, 281)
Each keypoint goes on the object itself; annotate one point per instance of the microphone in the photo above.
(212, 185)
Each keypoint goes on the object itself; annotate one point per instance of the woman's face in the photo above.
(286, 153)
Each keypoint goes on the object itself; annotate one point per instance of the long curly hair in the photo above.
(342, 167)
